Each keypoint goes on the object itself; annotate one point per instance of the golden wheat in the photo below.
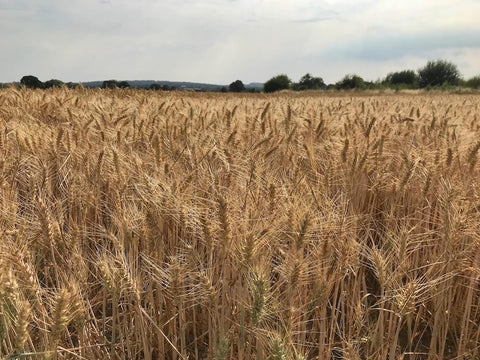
(174, 225)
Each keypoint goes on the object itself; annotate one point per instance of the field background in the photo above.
(147, 225)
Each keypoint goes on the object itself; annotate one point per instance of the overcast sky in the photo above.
(219, 41)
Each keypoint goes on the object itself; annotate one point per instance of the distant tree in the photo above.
(351, 82)
(163, 87)
(438, 72)
(308, 82)
(473, 83)
(31, 82)
(109, 84)
(279, 82)
(72, 85)
(369, 85)
(223, 89)
(123, 85)
(53, 83)
(236, 86)
(404, 77)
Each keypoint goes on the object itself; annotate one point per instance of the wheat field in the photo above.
(175, 225)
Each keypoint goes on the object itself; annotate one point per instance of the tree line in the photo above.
(33, 82)
(435, 74)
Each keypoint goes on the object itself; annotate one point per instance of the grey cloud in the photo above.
(391, 46)
(217, 40)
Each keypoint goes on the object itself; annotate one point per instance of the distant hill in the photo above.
(180, 85)
(145, 84)
(254, 85)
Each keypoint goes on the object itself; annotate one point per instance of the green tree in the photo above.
(31, 82)
(473, 83)
(404, 77)
(123, 85)
(370, 85)
(308, 82)
(72, 85)
(109, 84)
(279, 82)
(350, 82)
(438, 72)
(53, 83)
(236, 86)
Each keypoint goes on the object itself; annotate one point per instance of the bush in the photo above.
(279, 82)
(73, 85)
(473, 83)
(123, 85)
(407, 78)
(31, 82)
(155, 87)
(109, 84)
(308, 82)
(350, 82)
(53, 83)
(370, 85)
(437, 73)
(236, 86)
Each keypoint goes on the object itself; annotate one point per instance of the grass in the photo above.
(170, 225)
